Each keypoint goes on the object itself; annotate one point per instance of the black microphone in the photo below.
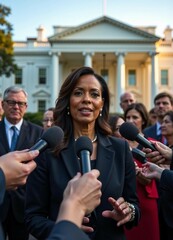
(84, 150)
(130, 132)
(139, 155)
(49, 139)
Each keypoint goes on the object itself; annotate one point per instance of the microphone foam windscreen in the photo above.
(83, 143)
(128, 131)
(53, 136)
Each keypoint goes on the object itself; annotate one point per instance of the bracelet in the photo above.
(131, 206)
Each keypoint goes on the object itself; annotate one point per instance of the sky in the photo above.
(27, 15)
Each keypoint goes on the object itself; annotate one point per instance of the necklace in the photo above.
(94, 139)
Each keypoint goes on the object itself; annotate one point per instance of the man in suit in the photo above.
(26, 134)
(82, 193)
(163, 103)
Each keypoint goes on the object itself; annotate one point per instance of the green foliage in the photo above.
(7, 65)
(34, 117)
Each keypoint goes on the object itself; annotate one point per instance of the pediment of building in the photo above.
(41, 94)
(103, 29)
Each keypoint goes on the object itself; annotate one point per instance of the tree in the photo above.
(34, 117)
(7, 65)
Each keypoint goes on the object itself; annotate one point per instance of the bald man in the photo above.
(126, 99)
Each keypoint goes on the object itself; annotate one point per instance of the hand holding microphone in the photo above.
(13, 163)
(84, 150)
(50, 139)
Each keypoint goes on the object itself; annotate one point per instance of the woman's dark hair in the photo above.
(113, 119)
(170, 114)
(61, 117)
(141, 109)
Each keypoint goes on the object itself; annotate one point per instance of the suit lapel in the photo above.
(24, 131)
(71, 160)
(105, 159)
(104, 163)
(3, 138)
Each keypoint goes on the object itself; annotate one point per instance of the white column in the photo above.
(154, 76)
(88, 59)
(120, 78)
(55, 84)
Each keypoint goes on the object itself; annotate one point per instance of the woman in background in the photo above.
(115, 122)
(167, 128)
(148, 227)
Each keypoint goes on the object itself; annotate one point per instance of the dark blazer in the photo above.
(47, 182)
(166, 201)
(28, 136)
(2, 186)
(68, 231)
(151, 132)
(2, 193)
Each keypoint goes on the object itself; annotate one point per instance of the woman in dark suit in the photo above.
(82, 108)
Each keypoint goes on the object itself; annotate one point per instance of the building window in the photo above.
(105, 74)
(164, 77)
(41, 105)
(18, 76)
(132, 77)
(42, 75)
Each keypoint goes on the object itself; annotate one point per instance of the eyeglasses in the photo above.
(48, 120)
(13, 103)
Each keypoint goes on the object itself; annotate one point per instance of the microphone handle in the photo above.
(139, 155)
(85, 161)
(40, 145)
(86, 167)
(145, 143)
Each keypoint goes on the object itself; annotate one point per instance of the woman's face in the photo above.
(86, 100)
(117, 127)
(167, 126)
(134, 117)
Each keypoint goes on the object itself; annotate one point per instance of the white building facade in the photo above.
(128, 58)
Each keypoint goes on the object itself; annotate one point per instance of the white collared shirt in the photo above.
(158, 129)
(159, 132)
(9, 131)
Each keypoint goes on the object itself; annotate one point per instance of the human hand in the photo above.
(85, 227)
(152, 171)
(162, 155)
(85, 190)
(140, 177)
(81, 196)
(17, 166)
(137, 169)
(121, 212)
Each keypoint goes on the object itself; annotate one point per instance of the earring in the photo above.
(101, 112)
(68, 111)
